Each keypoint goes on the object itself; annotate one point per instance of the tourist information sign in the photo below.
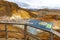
(47, 26)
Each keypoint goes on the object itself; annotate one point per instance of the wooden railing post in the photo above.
(6, 32)
(25, 32)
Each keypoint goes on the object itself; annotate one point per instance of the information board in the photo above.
(41, 24)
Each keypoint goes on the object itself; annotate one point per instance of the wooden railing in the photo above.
(25, 29)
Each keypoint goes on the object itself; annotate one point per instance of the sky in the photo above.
(38, 4)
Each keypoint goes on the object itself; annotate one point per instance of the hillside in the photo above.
(49, 15)
(6, 8)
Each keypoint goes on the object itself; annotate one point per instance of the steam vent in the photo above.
(17, 23)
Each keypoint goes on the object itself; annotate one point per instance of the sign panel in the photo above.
(41, 24)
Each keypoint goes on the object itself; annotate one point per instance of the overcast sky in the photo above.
(38, 4)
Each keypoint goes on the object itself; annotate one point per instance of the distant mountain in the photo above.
(22, 4)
